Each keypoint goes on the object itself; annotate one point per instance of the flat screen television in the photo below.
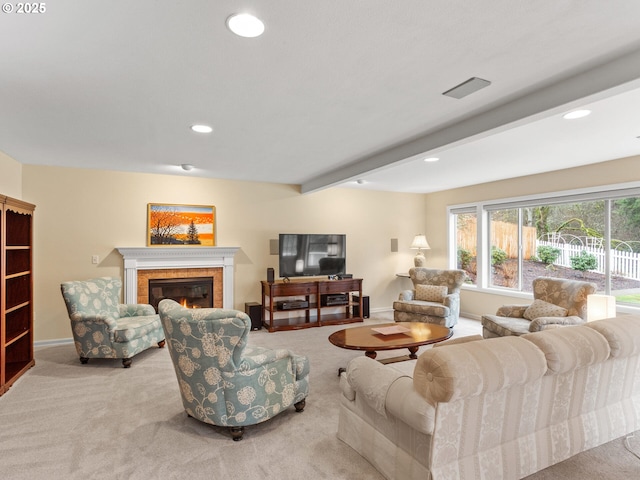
(302, 255)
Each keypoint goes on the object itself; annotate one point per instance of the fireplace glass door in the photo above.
(188, 292)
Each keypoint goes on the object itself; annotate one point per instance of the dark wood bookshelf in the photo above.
(16, 290)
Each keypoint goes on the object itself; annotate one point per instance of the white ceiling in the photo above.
(333, 91)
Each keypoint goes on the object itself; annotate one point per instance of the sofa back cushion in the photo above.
(463, 370)
(431, 293)
(570, 348)
(622, 334)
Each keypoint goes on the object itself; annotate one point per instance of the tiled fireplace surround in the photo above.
(143, 263)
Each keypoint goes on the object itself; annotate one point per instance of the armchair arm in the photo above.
(513, 311)
(255, 357)
(407, 295)
(80, 317)
(81, 323)
(545, 323)
(135, 310)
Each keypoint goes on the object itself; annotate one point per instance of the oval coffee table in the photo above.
(390, 336)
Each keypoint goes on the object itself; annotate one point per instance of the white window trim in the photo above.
(483, 207)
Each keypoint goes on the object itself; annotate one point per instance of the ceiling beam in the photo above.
(608, 79)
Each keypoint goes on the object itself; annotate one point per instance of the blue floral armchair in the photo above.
(103, 327)
(222, 380)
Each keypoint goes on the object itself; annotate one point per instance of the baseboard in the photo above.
(50, 343)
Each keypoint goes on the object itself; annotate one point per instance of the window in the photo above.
(593, 237)
(466, 243)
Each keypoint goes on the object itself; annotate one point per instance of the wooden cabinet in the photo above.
(310, 303)
(16, 290)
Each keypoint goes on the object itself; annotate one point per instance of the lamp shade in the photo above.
(420, 242)
(600, 306)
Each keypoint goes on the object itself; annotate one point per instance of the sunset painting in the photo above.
(181, 225)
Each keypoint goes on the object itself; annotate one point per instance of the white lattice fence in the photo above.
(625, 264)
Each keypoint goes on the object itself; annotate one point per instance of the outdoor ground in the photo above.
(506, 275)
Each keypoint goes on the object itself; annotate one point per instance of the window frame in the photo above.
(482, 210)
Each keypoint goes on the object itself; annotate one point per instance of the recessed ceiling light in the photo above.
(201, 128)
(361, 181)
(431, 159)
(245, 25)
(576, 114)
(187, 167)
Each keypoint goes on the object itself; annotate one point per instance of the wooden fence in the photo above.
(503, 235)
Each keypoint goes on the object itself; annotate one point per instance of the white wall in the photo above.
(82, 212)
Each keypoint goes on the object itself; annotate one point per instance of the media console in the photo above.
(311, 303)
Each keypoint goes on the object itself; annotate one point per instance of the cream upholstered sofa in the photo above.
(435, 297)
(500, 408)
(556, 303)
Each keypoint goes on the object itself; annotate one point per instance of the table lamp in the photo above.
(600, 307)
(420, 243)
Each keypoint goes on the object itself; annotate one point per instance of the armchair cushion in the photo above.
(431, 293)
(540, 308)
(421, 308)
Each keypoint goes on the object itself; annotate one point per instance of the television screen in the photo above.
(304, 255)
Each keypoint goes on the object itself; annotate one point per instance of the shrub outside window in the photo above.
(594, 239)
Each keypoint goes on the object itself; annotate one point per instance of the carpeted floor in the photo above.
(64, 420)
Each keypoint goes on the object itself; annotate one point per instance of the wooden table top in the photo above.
(366, 338)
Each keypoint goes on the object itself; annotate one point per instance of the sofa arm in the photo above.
(545, 323)
(513, 311)
(407, 405)
(406, 295)
(372, 380)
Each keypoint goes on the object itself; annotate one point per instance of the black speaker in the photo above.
(365, 306)
(254, 310)
(270, 275)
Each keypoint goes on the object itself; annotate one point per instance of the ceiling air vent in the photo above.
(467, 87)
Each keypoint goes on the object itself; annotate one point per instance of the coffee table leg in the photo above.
(412, 352)
(371, 354)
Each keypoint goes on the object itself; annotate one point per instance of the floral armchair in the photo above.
(222, 380)
(435, 297)
(103, 327)
(556, 302)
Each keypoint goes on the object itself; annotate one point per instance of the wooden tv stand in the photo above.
(311, 303)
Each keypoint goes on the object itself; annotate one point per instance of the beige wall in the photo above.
(11, 177)
(81, 212)
(475, 303)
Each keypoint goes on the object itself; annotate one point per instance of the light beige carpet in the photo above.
(64, 420)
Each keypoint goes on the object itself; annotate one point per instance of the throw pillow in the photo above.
(431, 293)
(540, 308)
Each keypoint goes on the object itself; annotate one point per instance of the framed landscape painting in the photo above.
(180, 225)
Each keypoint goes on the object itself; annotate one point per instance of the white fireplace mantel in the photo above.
(157, 258)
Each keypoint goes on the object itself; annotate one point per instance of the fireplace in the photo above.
(142, 264)
(188, 292)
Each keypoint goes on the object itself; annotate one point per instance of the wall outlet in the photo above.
(95, 259)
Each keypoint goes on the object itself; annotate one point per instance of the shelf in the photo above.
(16, 290)
(316, 314)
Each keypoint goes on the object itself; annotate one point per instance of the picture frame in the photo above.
(175, 225)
